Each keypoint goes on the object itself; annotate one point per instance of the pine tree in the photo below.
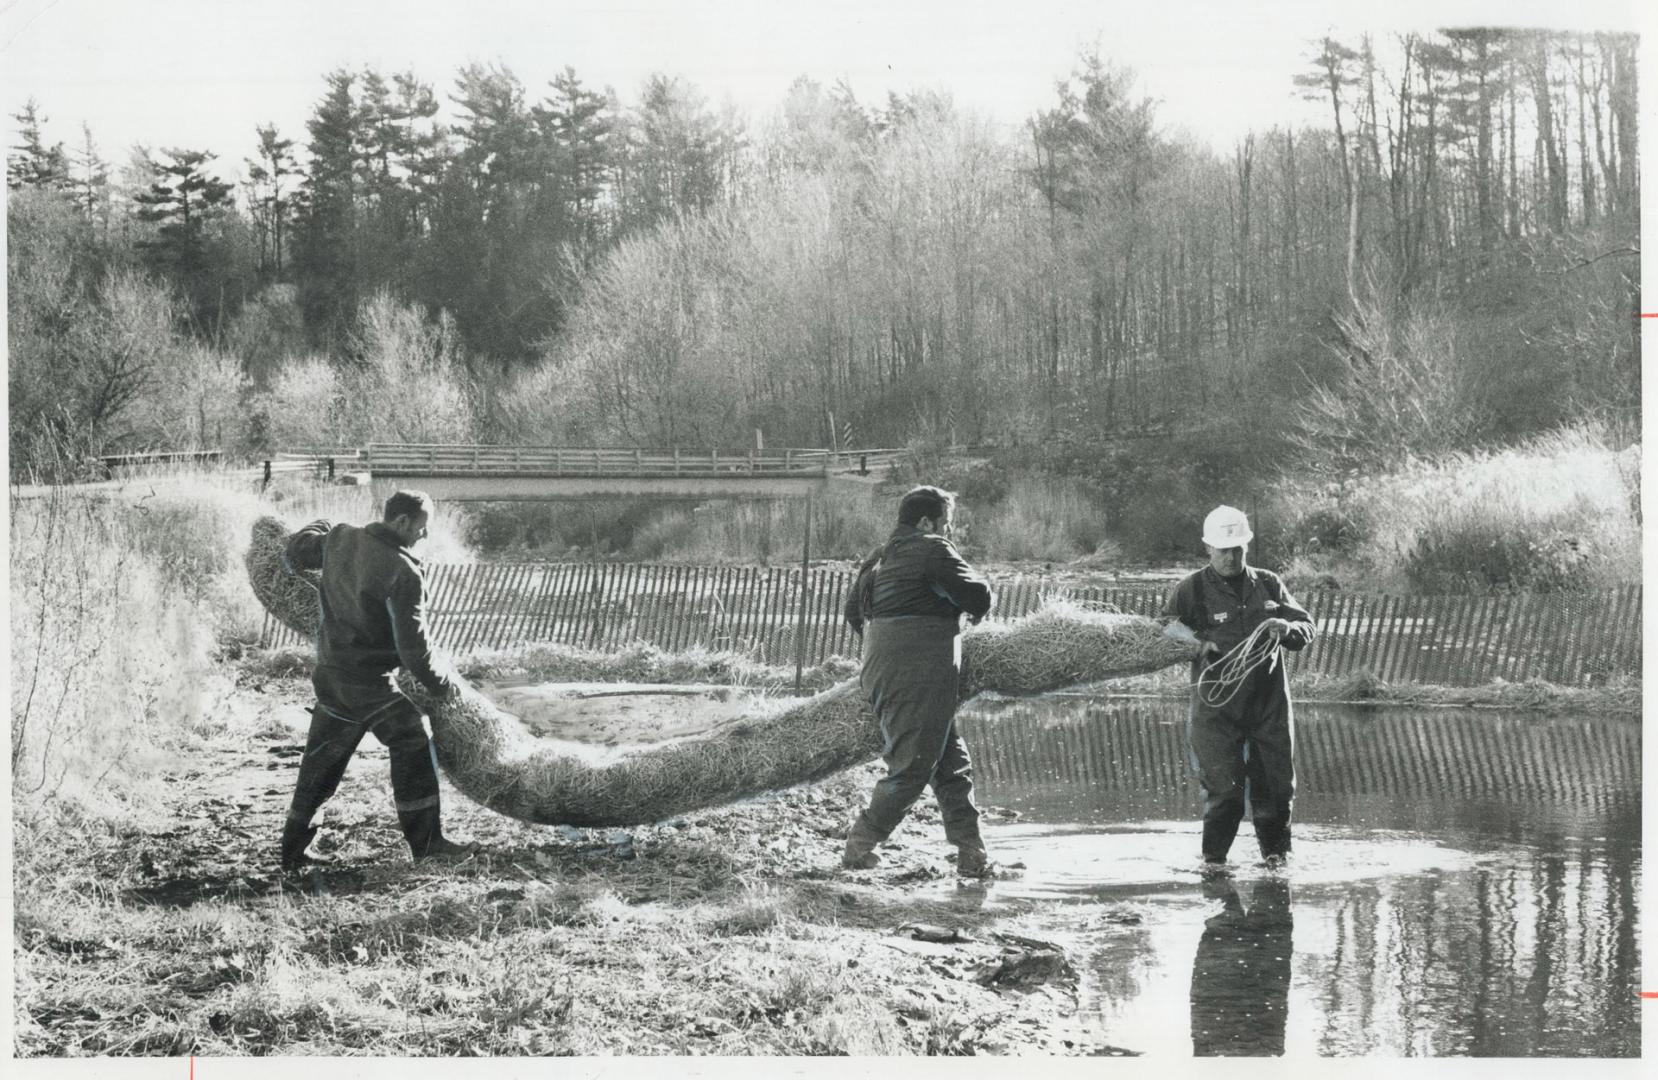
(674, 152)
(1330, 80)
(182, 199)
(270, 197)
(578, 129)
(326, 241)
(35, 164)
(91, 179)
(186, 202)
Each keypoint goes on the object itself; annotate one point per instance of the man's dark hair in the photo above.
(925, 502)
(406, 502)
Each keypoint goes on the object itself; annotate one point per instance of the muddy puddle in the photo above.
(1464, 882)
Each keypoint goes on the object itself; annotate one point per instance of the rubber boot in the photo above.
(444, 850)
(423, 829)
(1274, 837)
(296, 837)
(1218, 834)
(973, 862)
(860, 847)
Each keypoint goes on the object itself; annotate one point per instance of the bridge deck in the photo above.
(433, 460)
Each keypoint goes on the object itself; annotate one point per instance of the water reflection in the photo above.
(1490, 771)
(1241, 975)
(1465, 883)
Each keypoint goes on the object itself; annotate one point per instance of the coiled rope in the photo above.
(1235, 666)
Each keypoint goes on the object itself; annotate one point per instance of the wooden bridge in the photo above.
(454, 473)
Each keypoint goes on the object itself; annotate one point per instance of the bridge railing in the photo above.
(432, 459)
(114, 464)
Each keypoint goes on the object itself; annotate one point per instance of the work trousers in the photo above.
(346, 712)
(911, 669)
(1244, 769)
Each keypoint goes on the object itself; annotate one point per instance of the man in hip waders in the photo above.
(1240, 731)
(373, 622)
(907, 605)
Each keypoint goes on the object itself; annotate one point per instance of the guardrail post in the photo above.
(863, 464)
(805, 593)
(266, 482)
(330, 470)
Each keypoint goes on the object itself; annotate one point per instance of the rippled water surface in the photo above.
(1464, 882)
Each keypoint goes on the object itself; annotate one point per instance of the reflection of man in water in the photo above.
(1241, 737)
(1241, 977)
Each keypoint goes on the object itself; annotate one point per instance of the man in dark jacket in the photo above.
(1240, 736)
(908, 605)
(373, 622)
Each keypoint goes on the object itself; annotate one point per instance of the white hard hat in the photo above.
(1226, 527)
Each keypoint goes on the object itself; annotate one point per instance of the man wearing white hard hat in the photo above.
(1241, 728)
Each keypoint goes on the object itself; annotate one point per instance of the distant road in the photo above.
(138, 486)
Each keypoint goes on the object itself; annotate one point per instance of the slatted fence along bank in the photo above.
(1571, 639)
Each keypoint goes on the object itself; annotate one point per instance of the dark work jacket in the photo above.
(918, 573)
(1226, 613)
(373, 601)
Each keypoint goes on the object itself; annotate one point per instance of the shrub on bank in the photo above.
(1559, 512)
(110, 663)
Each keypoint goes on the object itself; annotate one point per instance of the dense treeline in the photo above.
(1449, 262)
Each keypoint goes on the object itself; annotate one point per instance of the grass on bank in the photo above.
(1560, 512)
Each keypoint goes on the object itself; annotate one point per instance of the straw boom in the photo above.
(493, 758)
(291, 598)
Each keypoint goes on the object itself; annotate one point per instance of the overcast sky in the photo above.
(202, 73)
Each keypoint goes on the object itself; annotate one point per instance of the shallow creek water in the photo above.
(1464, 882)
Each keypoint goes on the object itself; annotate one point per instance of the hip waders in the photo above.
(333, 738)
(1239, 770)
(911, 675)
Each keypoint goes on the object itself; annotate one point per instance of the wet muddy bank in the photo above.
(725, 932)
(1464, 884)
